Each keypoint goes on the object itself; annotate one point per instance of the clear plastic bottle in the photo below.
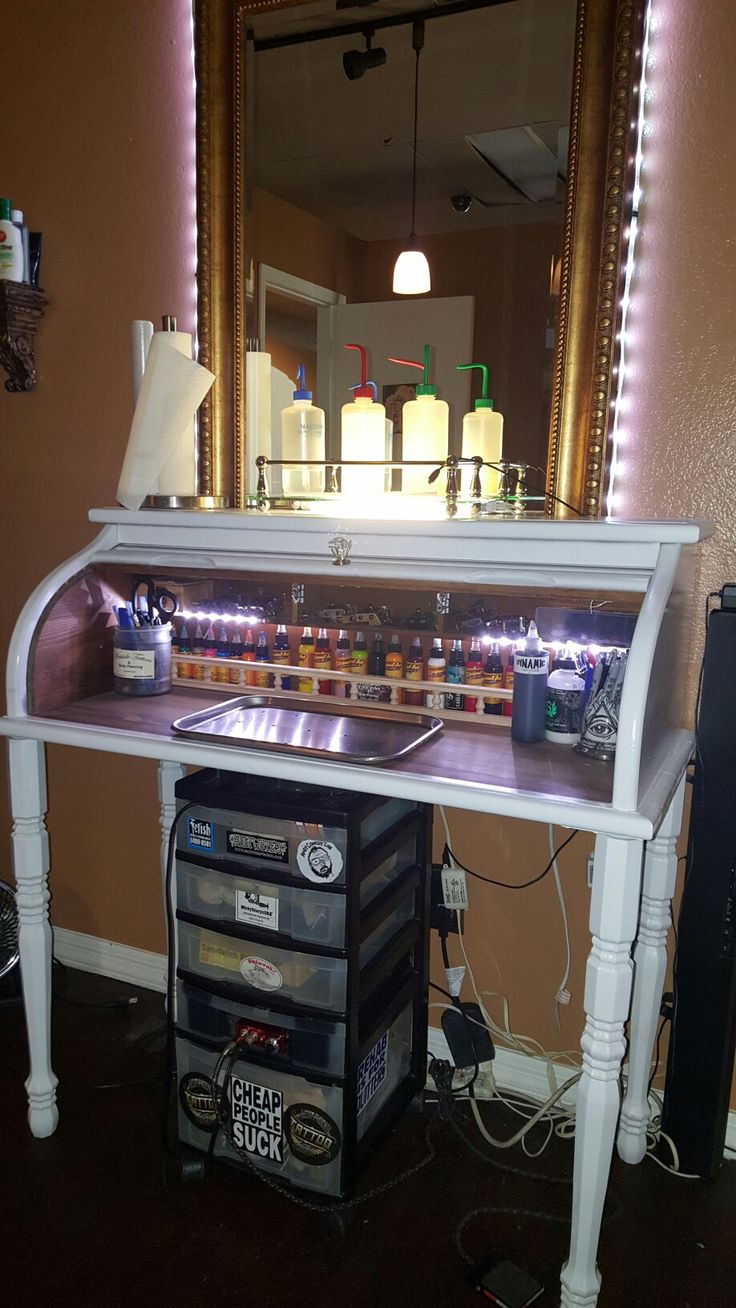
(363, 436)
(302, 437)
(425, 424)
(482, 435)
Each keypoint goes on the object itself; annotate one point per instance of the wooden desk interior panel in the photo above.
(469, 754)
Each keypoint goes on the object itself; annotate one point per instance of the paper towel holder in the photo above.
(186, 502)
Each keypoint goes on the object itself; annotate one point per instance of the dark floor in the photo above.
(98, 1215)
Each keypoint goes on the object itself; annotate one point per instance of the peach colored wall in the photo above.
(99, 157)
(297, 242)
(680, 412)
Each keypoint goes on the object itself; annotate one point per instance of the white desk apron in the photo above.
(635, 860)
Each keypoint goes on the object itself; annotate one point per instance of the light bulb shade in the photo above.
(411, 273)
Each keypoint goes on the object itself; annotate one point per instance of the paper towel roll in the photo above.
(178, 476)
(141, 332)
(172, 390)
(258, 415)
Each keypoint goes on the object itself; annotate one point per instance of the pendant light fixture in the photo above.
(411, 270)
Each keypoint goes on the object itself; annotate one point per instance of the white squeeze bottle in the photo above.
(425, 425)
(482, 434)
(302, 437)
(363, 435)
(11, 246)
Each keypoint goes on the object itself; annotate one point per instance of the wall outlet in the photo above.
(589, 871)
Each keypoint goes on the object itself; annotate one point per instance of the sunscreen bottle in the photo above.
(363, 435)
(482, 434)
(425, 425)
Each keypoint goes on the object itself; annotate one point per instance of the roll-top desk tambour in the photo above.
(60, 690)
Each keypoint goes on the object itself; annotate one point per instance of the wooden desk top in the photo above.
(467, 754)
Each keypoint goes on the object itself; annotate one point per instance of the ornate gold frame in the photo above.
(604, 108)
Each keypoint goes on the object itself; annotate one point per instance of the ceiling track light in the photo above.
(411, 270)
(357, 62)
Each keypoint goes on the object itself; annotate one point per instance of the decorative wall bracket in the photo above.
(21, 309)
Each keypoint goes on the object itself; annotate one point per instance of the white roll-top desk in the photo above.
(60, 690)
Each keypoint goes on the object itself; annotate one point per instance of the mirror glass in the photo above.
(329, 205)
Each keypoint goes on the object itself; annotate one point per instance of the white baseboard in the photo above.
(140, 967)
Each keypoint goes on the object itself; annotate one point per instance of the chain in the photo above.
(226, 1060)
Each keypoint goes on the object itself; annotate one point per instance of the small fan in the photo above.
(9, 953)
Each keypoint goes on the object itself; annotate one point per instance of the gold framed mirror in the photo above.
(605, 58)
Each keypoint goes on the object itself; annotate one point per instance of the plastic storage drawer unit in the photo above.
(303, 1129)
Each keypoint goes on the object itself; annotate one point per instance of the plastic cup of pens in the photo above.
(141, 657)
(602, 702)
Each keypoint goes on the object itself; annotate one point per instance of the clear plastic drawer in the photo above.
(304, 1041)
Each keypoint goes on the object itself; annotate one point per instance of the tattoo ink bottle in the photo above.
(530, 689)
(305, 659)
(473, 673)
(262, 656)
(282, 653)
(493, 676)
(323, 659)
(414, 671)
(342, 664)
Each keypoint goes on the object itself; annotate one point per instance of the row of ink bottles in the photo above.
(213, 642)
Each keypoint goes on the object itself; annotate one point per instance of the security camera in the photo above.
(461, 203)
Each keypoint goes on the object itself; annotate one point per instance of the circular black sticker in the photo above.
(197, 1100)
(313, 1136)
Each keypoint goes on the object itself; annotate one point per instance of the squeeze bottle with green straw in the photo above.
(363, 435)
(482, 434)
(426, 425)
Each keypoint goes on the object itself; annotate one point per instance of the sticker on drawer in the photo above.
(256, 845)
(199, 833)
(257, 1119)
(372, 1072)
(196, 1097)
(213, 952)
(312, 1135)
(260, 973)
(256, 909)
(319, 860)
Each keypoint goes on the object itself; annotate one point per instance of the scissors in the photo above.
(152, 604)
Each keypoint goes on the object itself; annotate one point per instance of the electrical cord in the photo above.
(170, 1053)
(511, 885)
(506, 1167)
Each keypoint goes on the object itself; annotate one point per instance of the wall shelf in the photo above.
(21, 310)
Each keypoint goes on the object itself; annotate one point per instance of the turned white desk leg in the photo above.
(168, 775)
(613, 914)
(650, 963)
(31, 862)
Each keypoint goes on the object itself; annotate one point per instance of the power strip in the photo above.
(483, 1087)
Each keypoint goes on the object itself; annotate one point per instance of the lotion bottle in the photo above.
(302, 437)
(483, 434)
(11, 246)
(363, 435)
(17, 217)
(425, 424)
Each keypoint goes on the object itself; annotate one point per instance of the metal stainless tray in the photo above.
(354, 733)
